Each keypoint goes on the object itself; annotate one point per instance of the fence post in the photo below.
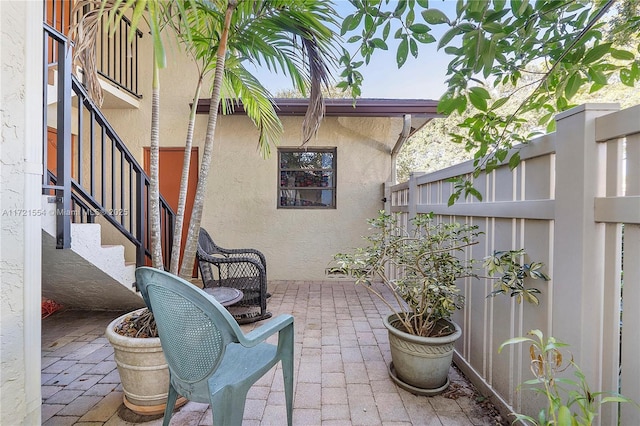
(578, 267)
(413, 200)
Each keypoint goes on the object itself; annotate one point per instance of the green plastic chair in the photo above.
(210, 359)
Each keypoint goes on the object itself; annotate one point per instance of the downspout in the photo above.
(404, 135)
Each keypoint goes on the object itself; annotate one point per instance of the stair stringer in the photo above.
(88, 275)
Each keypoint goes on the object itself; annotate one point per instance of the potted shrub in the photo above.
(427, 259)
(143, 370)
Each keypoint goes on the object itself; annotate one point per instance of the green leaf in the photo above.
(617, 398)
(460, 7)
(481, 92)
(349, 24)
(400, 8)
(574, 82)
(626, 77)
(413, 48)
(474, 192)
(379, 43)
(514, 341)
(452, 198)
(448, 36)
(492, 27)
(424, 38)
(423, 4)
(419, 28)
(448, 104)
(596, 53)
(353, 39)
(408, 20)
(488, 56)
(403, 52)
(497, 104)
(497, 15)
(597, 76)
(514, 161)
(478, 98)
(435, 17)
(385, 31)
(623, 55)
(564, 416)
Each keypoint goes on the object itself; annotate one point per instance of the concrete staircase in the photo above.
(89, 275)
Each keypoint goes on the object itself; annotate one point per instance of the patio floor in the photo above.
(341, 374)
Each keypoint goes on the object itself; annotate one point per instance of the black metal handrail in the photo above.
(100, 176)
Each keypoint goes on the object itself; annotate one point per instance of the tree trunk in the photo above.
(184, 183)
(154, 189)
(198, 203)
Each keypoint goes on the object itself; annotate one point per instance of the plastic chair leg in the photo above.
(171, 403)
(227, 406)
(287, 372)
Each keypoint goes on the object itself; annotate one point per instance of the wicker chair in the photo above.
(244, 269)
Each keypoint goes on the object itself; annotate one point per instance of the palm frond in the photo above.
(292, 37)
(241, 85)
(319, 76)
(87, 22)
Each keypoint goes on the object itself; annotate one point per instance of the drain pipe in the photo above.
(404, 135)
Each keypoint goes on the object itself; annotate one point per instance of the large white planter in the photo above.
(420, 364)
(143, 370)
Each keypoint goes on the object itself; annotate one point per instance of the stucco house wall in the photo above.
(20, 187)
(240, 209)
(241, 203)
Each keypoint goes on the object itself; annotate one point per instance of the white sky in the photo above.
(421, 78)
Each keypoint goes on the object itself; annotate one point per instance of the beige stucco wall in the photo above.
(298, 243)
(20, 183)
(240, 210)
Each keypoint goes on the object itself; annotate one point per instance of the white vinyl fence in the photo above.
(570, 202)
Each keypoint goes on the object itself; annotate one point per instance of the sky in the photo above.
(419, 78)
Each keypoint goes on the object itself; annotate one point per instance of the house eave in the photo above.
(366, 107)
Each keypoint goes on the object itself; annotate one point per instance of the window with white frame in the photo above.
(307, 178)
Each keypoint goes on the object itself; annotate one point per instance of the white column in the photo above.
(20, 187)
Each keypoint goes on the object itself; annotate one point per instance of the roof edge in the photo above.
(344, 107)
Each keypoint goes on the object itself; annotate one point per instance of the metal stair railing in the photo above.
(96, 175)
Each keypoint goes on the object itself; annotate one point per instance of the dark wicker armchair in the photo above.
(244, 269)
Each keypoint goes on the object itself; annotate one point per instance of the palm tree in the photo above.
(289, 36)
(279, 34)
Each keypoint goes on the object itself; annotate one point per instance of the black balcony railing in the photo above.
(118, 58)
(90, 169)
(116, 51)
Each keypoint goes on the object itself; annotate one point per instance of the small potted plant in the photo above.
(422, 294)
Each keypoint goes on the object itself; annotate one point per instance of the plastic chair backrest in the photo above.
(194, 329)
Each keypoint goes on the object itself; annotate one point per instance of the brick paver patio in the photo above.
(340, 371)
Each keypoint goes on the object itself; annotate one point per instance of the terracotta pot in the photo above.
(420, 364)
(143, 370)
